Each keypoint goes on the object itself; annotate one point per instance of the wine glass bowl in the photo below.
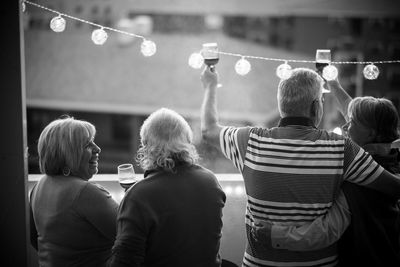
(323, 59)
(210, 54)
(126, 175)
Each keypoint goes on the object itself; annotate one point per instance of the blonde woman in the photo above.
(73, 221)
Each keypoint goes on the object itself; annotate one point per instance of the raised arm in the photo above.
(342, 97)
(322, 232)
(210, 127)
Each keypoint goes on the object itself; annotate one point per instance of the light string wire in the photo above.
(82, 20)
(219, 52)
(308, 61)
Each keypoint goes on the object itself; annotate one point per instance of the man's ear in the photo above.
(314, 109)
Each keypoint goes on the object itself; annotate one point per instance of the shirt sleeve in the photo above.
(99, 208)
(359, 166)
(233, 142)
(322, 232)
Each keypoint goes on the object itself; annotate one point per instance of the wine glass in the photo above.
(211, 56)
(126, 175)
(322, 59)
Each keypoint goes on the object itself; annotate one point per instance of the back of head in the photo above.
(297, 93)
(378, 114)
(61, 145)
(166, 140)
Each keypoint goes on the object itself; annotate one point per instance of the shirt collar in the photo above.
(303, 121)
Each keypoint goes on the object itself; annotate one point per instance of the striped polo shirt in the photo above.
(292, 174)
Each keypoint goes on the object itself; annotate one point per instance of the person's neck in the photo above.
(296, 120)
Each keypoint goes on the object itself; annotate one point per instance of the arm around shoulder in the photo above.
(387, 183)
(322, 232)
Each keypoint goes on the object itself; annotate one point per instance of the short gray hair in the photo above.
(166, 140)
(61, 145)
(298, 92)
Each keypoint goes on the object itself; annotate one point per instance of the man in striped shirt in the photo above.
(293, 172)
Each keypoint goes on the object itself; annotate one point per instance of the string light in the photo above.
(196, 60)
(148, 48)
(99, 36)
(330, 73)
(242, 67)
(371, 72)
(284, 71)
(57, 24)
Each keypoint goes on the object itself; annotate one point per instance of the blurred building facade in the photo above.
(115, 88)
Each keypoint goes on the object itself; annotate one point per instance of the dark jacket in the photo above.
(171, 219)
(372, 238)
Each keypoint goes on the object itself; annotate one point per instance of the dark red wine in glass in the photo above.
(210, 54)
(126, 175)
(322, 59)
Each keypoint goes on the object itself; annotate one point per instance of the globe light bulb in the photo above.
(330, 73)
(371, 72)
(196, 60)
(57, 24)
(148, 48)
(284, 71)
(99, 36)
(242, 67)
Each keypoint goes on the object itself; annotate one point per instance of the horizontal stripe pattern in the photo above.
(363, 169)
(295, 156)
(229, 146)
(292, 181)
(285, 212)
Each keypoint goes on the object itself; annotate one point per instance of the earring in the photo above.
(66, 171)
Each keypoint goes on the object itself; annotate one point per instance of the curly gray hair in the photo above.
(166, 140)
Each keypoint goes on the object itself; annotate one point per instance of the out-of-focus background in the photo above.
(115, 87)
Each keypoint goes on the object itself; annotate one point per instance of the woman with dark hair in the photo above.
(173, 217)
(73, 221)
